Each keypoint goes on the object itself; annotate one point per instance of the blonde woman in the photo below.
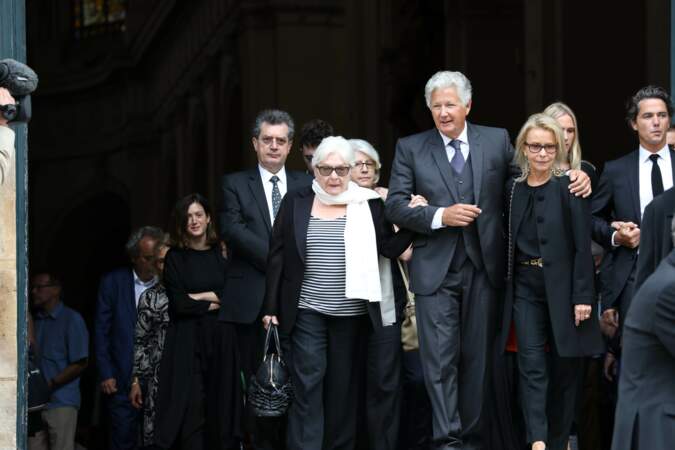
(549, 284)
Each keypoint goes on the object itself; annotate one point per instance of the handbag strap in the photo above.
(404, 275)
(272, 331)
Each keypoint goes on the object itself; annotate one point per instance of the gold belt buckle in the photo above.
(537, 262)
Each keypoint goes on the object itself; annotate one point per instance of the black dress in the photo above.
(200, 397)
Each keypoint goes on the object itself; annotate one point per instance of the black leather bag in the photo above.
(38, 389)
(270, 391)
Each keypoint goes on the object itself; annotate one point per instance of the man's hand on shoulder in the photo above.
(580, 183)
(460, 215)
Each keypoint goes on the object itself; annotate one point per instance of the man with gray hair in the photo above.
(249, 203)
(645, 412)
(114, 325)
(457, 268)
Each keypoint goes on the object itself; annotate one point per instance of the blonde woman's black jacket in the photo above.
(564, 231)
(286, 262)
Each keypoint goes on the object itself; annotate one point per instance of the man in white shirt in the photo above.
(250, 201)
(627, 185)
(114, 325)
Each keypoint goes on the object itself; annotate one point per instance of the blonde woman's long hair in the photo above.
(544, 122)
(557, 110)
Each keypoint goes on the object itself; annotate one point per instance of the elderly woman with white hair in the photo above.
(325, 278)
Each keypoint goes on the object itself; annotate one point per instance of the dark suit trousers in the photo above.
(383, 387)
(548, 382)
(456, 327)
(325, 371)
(124, 421)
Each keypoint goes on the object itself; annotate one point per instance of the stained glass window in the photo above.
(96, 17)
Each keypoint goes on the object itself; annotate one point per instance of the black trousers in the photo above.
(325, 371)
(383, 386)
(415, 429)
(456, 328)
(548, 382)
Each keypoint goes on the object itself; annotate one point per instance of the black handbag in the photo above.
(37, 387)
(270, 391)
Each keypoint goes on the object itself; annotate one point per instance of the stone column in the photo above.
(8, 303)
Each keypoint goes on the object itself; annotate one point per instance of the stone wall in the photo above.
(8, 312)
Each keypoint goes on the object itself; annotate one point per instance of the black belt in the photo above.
(536, 262)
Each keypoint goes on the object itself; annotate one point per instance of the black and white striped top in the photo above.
(323, 288)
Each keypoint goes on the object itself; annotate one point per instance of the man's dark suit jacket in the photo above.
(618, 198)
(245, 225)
(286, 264)
(421, 167)
(114, 326)
(655, 236)
(565, 244)
(645, 413)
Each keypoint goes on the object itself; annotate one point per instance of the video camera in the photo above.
(20, 80)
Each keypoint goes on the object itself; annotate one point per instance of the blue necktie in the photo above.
(457, 162)
(276, 196)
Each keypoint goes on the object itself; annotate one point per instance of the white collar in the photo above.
(140, 282)
(463, 137)
(266, 174)
(645, 154)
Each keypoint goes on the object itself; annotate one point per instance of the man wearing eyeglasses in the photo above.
(249, 204)
(457, 269)
(62, 343)
(311, 135)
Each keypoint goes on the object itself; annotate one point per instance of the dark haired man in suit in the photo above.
(627, 185)
(458, 266)
(250, 201)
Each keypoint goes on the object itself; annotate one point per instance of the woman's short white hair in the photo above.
(446, 79)
(359, 145)
(334, 144)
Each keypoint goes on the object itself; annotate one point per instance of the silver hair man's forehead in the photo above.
(446, 79)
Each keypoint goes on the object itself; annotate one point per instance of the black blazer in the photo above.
(245, 226)
(421, 166)
(564, 230)
(655, 236)
(286, 263)
(618, 198)
(645, 412)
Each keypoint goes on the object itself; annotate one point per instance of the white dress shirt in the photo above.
(265, 175)
(437, 221)
(645, 174)
(141, 286)
(645, 177)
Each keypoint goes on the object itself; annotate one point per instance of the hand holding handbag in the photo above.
(270, 391)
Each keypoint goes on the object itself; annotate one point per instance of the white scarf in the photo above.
(368, 276)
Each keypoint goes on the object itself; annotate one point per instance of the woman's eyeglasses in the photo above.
(341, 171)
(536, 148)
